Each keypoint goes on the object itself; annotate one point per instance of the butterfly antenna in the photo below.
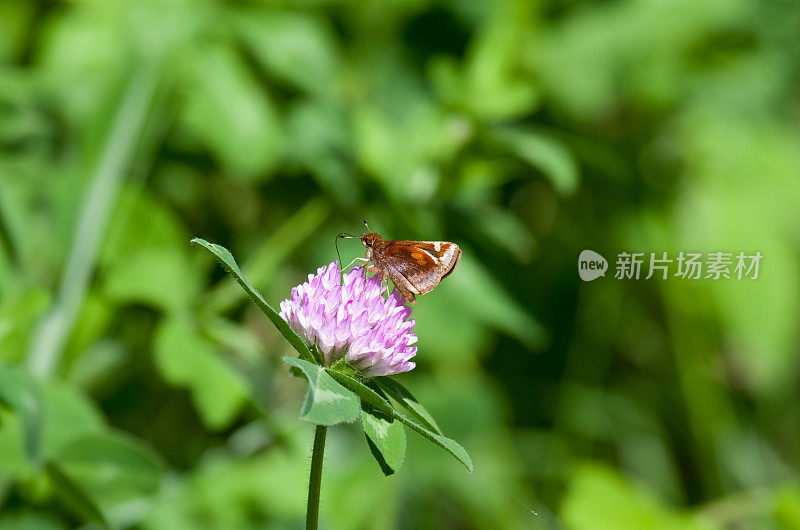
(365, 224)
(341, 272)
(343, 235)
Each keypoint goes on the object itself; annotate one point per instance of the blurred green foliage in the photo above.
(139, 388)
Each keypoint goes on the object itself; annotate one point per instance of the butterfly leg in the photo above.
(384, 277)
(375, 271)
(362, 260)
(372, 269)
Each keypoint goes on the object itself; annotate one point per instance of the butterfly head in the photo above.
(370, 239)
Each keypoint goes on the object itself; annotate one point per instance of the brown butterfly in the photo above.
(415, 267)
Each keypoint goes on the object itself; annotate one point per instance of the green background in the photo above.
(525, 132)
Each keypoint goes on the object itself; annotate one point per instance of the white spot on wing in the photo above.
(429, 254)
(437, 245)
(448, 254)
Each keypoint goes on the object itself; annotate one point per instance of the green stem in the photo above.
(315, 479)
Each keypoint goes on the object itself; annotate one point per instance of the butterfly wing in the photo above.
(419, 266)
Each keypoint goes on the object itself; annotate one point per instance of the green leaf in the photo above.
(232, 114)
(321, 137)
(114, 472)
(144, 220)
(364, 392)
(186, 358)
(15, 464)
(226, 260)
(327, 402)
(401, 394)
(74, 495)
(19, 313)
(386, 439)
(600, 498)
(20, 391)
(63, 414)
(297, 47)
(75, 47)
(160, 277)
(15, 22)
(370, 396)
(546, 154)
(449, 445)
(68, 414)
(30, 520)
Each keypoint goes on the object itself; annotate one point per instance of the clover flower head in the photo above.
(353, 320)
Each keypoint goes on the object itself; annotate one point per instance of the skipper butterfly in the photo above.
(415, 267)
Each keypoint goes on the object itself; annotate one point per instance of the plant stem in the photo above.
(315, 478)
